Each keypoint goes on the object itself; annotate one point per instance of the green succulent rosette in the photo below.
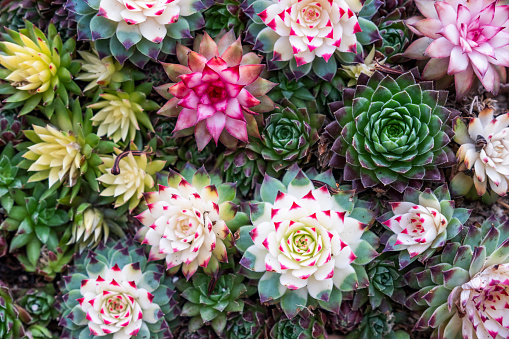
(39, 227)
(11, 326)
(379, 325)
(135, 31)
(250, 324)
(210, 300)
(10, 176)
(288, 136)
(311, 246)
(295, 91)
(39, 303)
(114, 291)
(395, 39)
(391, 132)
(37, 69)
(306, 325)
(347, 319)
(223, 16)
(243, 166)
(461, 291)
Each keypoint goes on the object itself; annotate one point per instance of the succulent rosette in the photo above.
(225, 15)
(247, 325)
(306, 241)
(465, 39)
(37, 68)
(305, 325)
(65, 152)
(135, 176)
(462, 290)
(217, 91)
(113, 292)
(210, 301)
(379, 325)
(391, 132)
(395, 38)
(347, 318)
(137, 30)
(121, 112)
(288, 136)
(39, 304)
(11, 326)
(186, 221)
(422, 222)
(308, 34)
(485, 151)
(100, 71)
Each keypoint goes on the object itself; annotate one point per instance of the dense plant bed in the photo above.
(260, 169)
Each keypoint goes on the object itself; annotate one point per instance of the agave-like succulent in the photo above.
(288, 136)
(67, 152)
(126, 177)
(462, 290)
(113, 293)
(136, 30)
(307, 35)
(463, 38)
(11, 326)
(209, 300)
(100, 71)
(306, 242)
(217, 90)
(38, 224)
(391, 132)
(186, 221)
(484, 150)
(422, 222)
(122, 112)
(38, 68)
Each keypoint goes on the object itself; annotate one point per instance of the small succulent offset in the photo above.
(113, 292)
(306, 242)
(225, 15)
(250, 324)
(121, 112)
(288, 136)
(306, 325)
(126, 176)
(136, 30)
(11, 326)
(210, 300)
(367, 66)
(100, 71)
(40, 304)
(391, 132)
(462, 38)
(378, 325)
(346, 319)
(395, 38)
(38, 69)
(484, 150)
(217, 91)
(423, 222)
(186, 221)
(11, 126)
(462, 291)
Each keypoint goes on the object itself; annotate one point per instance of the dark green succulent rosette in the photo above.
(209, 300)
(39, 303)
(135, 297)
(136, 32)
(224, 15)
(391, 132)
(346, 319)
(243, 166)
(395, 39)
(250, 324)
(379, 325)
(288, 136)
(305, 325)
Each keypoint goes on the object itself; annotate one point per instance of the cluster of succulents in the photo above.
(259, 169)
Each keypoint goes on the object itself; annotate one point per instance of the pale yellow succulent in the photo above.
(368, 68)
(33, 65)
(99, 71)
(135, 178)
(90, 227)
(57, 157)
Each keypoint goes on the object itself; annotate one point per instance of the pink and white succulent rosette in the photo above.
(146, 17)
(115, 305)
(463, 38)
(305, 240)
(185, 224)
(482, 303)
(485, 149)
(305, 29)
